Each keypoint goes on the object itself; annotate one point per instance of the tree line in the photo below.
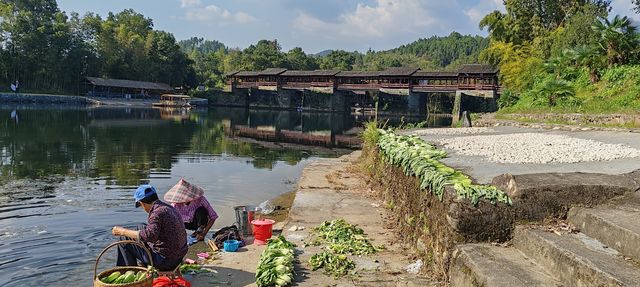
(564, 55)
(48, 51)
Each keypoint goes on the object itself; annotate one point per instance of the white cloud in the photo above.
(383, 18)
(477, 12)
(215, 13)
(190, 3)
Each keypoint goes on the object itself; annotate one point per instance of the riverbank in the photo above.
(328, 189)
(44, 99)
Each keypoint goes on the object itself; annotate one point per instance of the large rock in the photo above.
(466, 119)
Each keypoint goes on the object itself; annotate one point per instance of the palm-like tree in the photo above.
(616, 38)
(589, 57)
(555, 90)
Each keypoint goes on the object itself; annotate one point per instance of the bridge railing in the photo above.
(394, 86)
(246, 85)
(267, 83)
(358, 86)
(477, 87)
(307, 84)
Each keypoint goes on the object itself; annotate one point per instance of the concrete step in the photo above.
(487, 265)
(576, 259)
(616, 227)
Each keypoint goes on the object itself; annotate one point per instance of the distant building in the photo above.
(126, 89)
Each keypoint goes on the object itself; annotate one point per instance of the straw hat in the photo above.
(183, 192)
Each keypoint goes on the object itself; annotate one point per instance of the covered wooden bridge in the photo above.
(473, 77)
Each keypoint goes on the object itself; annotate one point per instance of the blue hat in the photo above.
(143, 192)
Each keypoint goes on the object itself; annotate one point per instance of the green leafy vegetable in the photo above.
(336, 265)
(341, 239)
(275, 267)
(418, 158)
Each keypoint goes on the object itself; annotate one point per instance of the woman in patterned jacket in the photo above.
(195, 210)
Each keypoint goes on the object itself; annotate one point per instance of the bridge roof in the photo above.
(247, 74)
(477, 69)
(436, 74)
(128, 84)
(399, 71)
(354, 74)
(298, 73)
(272, 71)
(231, 73)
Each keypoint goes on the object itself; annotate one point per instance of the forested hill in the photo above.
(444, 51)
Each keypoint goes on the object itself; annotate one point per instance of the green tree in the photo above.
(589, 57)
(265, 54)
(338, 60)
(616, 38)
(200, 45)
(554, 91)
(296, 59)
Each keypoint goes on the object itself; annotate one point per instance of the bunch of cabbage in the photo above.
(276, 263)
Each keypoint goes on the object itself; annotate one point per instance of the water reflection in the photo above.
(123, 145)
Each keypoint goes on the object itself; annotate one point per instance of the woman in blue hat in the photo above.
(164, 234)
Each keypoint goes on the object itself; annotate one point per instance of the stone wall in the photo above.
(431, 227)
(237, 98)
(581, 119)
(43, 99)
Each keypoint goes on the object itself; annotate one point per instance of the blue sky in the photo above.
(314, 25)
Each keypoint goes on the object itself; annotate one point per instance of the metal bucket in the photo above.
(244, 215)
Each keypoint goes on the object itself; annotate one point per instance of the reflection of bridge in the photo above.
(475, 80)
(328, 139)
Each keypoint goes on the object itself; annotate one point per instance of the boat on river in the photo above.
(173, 101)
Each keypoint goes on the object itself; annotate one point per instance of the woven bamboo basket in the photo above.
(148, 282)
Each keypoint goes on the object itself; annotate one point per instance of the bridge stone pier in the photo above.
(401, 91)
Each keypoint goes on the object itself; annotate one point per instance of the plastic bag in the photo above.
(414, 268)
(168, 282)
(266, 207)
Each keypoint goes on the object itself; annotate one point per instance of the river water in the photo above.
(67, 176)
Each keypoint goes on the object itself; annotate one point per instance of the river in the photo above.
(67, 175)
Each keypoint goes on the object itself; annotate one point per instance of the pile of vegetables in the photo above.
(420, 159)
(276, 263)
(341, 239)
(334, 264)
(127, 277)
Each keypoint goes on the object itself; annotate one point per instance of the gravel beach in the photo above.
(536, 148)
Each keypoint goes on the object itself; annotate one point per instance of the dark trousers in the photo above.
(130, 255)
(200, 219)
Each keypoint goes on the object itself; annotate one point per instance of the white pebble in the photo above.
(537, 148)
